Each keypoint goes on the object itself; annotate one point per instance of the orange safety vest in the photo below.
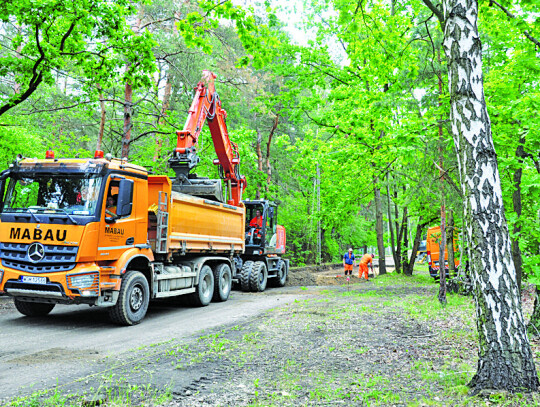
(366, 259)
(256, 222)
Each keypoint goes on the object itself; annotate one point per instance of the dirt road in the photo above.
(73, 342)
(321, 340)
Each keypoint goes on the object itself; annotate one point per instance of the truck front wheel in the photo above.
(33, 309)
(222, 282)
(133, 300)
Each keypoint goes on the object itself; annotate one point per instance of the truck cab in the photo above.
(433, 252)
(59, 242)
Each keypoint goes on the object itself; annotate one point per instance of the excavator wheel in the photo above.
(245, 274)
(222, 282)
(281, 274)
(259, 277)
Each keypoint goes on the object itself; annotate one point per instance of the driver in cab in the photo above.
(111, 205)
(256, 222)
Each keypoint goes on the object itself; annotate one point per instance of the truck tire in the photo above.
(245, 275)
(33, 309)
(132, 304)
(281, 277)
(222, 282)
(205, 288)
(259, 277)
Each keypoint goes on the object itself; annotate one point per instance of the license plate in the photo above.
(34, 280)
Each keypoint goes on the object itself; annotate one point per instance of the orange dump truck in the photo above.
(433, 252)
(104, 232)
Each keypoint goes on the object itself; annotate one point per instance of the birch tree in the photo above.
(504, 358)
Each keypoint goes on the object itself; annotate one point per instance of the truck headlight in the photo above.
(88, 283)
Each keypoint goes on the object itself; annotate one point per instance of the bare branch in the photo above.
(510, 15)
(448, 179)
(436, 10)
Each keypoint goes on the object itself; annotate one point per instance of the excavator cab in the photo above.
(263, 234)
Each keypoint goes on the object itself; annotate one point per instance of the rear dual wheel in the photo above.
(205, 288)
(222, 282)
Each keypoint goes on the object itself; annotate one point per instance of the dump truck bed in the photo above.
(198, 225)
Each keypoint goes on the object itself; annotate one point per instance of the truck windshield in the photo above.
(73, 194)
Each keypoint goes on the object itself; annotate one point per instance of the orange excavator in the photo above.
(206, 106)
(264, 242)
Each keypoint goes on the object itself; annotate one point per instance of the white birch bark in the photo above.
(505, 357)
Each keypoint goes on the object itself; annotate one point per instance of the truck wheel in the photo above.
(205, 289)
(222, 282)
(33, 309)
(133, 300)
(281, 274)
(245, 275)
(259, 277)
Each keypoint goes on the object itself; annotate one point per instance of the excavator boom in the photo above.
(206, 106)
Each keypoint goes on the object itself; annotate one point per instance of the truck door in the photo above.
(118, 223)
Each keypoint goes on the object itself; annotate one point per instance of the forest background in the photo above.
(340, 108)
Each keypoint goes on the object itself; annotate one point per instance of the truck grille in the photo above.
(56, 258)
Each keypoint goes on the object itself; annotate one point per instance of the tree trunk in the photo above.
(404, 236)
(418, 236)
(390, 226)
(450, 243)
(268, 166)
(397, 228)
(259, 162)
(505, 359)
(103, 117)
(128, 111)
(379, 228)
(442, 261)
(400, 241)
(17, 85)
(516, 201)
(165, 106)
(534, 323)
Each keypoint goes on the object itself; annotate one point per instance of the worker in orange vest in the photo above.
(366, 259)
(256, 222)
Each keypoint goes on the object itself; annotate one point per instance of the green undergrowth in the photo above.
(113, 393)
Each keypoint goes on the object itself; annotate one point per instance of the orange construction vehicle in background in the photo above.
(433, 250)
(104, 232)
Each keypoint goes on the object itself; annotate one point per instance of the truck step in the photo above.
(175, 292)
(174, 275)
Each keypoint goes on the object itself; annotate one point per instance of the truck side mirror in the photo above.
(125, 198)
(270, 212)
(3, 176)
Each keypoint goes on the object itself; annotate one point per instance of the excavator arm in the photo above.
(206, 106)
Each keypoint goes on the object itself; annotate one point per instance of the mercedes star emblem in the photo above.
(36, 252)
